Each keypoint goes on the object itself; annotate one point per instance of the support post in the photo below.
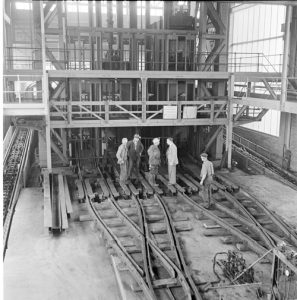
(64, 141)
(45, 95)
(286, 57)
(230, 121)
(143, 98)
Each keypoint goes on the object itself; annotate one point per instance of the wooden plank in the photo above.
(80, 190)
(90, 192)
(188, 182)
(112, 188)
(47, 210)
(103, 187)
(146, 186)
(155, 188)
(171, 188)
(125, 189)
(227, 182)
(197, 183)
(177, 186)
(69, 208)
(62, 202)
(133, 189)
(217, 185)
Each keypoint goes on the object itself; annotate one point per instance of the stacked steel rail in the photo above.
(13, 164)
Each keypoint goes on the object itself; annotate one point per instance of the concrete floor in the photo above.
(277, 196)
(76, 265)
(40, 265)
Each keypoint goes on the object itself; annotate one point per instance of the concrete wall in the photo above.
(275, 144)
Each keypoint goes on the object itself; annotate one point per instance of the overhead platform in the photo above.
(24, 109)
(289, 106)
(135, 123)
(137, 74)
(256, 76)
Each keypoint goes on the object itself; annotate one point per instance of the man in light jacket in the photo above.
(172, 161)
(122, 160)
(154, 160)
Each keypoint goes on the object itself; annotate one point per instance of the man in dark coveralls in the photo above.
(135, 149)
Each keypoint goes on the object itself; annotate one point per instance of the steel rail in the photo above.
(287, 230)
(241, 219)
(147, 233)
(258, 227)
(144, 246)
(253, 245)
(114, 242)
(168, 263)
(170, 230)
(177, 248)
(172, 269)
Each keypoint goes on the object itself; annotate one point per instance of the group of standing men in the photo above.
(129, 154)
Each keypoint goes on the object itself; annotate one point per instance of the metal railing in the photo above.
(265, 88)
(140, 59)
(22, 89)
(138, 110)
(256, 148)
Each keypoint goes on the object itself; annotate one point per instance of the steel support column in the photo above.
(143, 98)
(230, 121)
(64, 141)
(286, 57)
(45, 95)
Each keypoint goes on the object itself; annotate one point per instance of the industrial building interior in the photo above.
(214, 80)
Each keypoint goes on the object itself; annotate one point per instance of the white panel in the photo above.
(269, 123)
(242, 26)
(256, 27)
(273, 20)
(235, 28)
(267, 22)
(261, 21)
(250, 24)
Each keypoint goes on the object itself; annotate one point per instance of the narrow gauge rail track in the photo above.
(12, 177)
(161, 274)
(245, 217)
(246, 220)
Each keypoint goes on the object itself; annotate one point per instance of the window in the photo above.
(269, 123)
